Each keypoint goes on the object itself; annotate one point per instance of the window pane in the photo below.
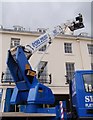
(14, 42)
(70, 70)
(7, 76)
(91, 66)
(1, 92)
(43, 48)
(88, 80)
(68, 47)
(43, 72)
(90, 48)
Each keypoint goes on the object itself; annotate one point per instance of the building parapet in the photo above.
(38, 33)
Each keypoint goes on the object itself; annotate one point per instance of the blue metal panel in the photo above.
(40, 94)
(7, 107)
(47, 110)
(15, 98)
(22, 61)
(31, 108)
(79, 98)
(28, 90)
(15, 71)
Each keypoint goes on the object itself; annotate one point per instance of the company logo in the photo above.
(89, 101)
(88, 98)
(40, 41)
(55, 32)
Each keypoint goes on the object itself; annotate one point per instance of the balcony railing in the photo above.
(7, 78)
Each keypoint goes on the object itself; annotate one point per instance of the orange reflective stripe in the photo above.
(31, 73)
(27, 66)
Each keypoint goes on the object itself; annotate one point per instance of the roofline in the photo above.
(36, 33)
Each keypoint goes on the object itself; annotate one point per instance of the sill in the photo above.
(41, 52)
(68, 54)
(90, 55)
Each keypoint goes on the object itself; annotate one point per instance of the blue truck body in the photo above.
(82, 95)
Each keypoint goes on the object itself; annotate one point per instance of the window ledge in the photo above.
(90, 55)
(68, 54)
(41, 52)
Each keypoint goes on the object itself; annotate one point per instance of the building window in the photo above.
(40, 30)
(91, 66)
(88, 81)
(42, 49)
(70, 70)
(7, 77)
(14, 42)
(68, 47)
(43, 72)
(90, 48)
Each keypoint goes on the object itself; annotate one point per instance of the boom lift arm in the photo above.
(50, 35)
(28, 90)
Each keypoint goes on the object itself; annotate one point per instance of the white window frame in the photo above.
(67, 47)
(43, 48)
(90, 49)
(44, 75)
(70, 69)
(14, 42)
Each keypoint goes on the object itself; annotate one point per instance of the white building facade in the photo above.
(64, 56)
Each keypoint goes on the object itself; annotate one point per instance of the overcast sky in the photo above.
(35, 15)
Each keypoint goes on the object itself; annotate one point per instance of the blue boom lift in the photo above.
(30, 95)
